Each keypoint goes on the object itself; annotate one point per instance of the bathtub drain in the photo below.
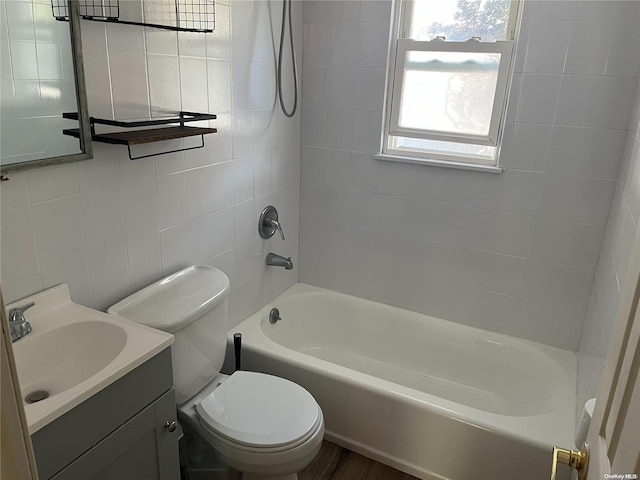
(37, 396)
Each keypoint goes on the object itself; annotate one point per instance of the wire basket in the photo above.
(98, 9)
(196, 14)
(189, 15)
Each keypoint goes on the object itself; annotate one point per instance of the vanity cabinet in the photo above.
(123, 432)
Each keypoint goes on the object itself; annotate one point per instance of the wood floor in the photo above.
(332, 463)
(337, 463)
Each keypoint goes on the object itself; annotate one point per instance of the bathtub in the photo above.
(432, 398)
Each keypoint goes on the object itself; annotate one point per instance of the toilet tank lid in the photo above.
(174, 302)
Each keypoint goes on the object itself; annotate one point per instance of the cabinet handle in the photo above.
(171, 426)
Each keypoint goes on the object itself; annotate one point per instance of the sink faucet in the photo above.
(18, 325)
(279, 261)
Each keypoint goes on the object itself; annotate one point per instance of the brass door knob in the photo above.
(574, 458)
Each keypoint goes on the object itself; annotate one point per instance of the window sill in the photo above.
(439, 163)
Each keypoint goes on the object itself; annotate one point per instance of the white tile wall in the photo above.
(610, 277)
(515, 252)
(109, 226)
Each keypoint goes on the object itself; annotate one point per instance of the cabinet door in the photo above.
(142, 448)
(63, 441)
(167, 437)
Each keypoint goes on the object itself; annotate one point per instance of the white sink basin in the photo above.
(73, 352)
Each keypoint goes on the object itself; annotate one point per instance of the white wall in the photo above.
(110, 226)
(611, 274)
(514, 253)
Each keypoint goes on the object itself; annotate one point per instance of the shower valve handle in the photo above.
(276, 226)
(269, 223)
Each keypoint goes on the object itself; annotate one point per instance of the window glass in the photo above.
(459, 20)
(449, 91)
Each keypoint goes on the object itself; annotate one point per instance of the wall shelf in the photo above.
(149, 135)
(188, 15)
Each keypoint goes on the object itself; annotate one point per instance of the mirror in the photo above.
(41, 78)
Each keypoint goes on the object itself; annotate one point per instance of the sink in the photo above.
(73, 352)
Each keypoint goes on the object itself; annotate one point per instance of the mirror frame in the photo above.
(81, 101)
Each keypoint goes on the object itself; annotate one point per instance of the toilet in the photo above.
(261, 425)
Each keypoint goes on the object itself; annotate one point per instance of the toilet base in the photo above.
(253, 476)
(202, 453)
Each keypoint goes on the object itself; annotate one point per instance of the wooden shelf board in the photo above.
(138, 137)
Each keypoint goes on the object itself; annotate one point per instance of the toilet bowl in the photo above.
(264, 426)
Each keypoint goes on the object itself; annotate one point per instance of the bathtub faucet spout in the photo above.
(279, 261)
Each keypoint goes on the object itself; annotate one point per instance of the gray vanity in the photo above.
(97, 390)
(126, 431)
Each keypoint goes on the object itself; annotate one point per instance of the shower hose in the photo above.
(286, 14)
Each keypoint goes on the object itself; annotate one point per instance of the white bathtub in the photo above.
(436, 399)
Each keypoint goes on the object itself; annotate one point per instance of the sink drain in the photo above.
(37, 396)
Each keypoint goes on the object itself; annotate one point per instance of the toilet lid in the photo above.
(259, 410)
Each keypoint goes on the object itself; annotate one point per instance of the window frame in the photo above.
(399, 44)
(404, 46)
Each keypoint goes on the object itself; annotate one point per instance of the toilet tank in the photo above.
(193, 305)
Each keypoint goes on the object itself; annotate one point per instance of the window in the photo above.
(449, 72)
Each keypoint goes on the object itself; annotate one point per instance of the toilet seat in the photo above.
(259, 412)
